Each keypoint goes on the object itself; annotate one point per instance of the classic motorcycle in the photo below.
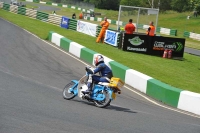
(102, 93)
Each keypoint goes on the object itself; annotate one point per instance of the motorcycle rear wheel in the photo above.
(105, 102)
(66, 94)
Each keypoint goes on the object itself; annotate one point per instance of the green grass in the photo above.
(31, 6)
(181, 74)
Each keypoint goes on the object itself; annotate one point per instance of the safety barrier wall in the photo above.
(54, 19)
(21, 10)
(186, 34)
(192, 35)
(36, 1)
(72, 24)
(42, 16)
(1, 4)
(6, 7)
(158, 90)
(13, 8)
(31, 13)
(29, 0)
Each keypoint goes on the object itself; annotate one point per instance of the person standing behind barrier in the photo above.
(151, 29)
(73, 16)
(105, 24)
(195, 13)
(130, 28)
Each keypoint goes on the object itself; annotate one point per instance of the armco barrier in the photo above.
(156, 89)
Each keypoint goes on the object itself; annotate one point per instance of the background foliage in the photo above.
(163, 5)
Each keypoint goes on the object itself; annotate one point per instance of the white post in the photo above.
(119, 17)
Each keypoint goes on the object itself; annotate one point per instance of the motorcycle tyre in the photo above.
(65, 90)
(107, 103)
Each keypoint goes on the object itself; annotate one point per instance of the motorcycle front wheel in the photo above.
(68, 93)
(105, 102)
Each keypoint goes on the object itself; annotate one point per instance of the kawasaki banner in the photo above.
(64, 22)
(87, 28)
(111, 37)
(153, 45)
(135, 43)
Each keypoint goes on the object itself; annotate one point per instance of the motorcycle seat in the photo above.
(103, 83)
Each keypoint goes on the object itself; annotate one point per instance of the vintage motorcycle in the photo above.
(102, 93)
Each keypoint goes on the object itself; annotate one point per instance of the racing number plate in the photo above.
(113, 95)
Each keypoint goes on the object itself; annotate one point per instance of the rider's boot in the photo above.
(89, 90)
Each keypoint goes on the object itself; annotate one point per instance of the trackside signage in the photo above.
(153, 45)
(111, 37)
(135, 43)
(86, 28)
(64, 22)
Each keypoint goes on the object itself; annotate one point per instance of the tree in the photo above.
(163, 5)
(180, 5)
(131, 2)
(105, 4)
(195, 5)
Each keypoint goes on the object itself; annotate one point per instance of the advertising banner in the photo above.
(87, 28)
(111, 37)
(64, 22)
(153, 45)
(159, 44)
(135, 43)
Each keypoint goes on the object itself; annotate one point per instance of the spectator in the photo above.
(195, 13)
(130, 28)
(54, 12)
(105, 24)
(81, 16)
(151, 29)
(73, 16)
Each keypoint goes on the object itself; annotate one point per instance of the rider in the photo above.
(104, 71)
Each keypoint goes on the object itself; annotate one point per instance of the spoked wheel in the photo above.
(68, 92)
(105, 102)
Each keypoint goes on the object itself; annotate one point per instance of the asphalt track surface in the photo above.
(42, 7)
(32, 76)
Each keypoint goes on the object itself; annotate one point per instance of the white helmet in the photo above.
(97, 59)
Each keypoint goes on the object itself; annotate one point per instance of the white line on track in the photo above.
(140, 94)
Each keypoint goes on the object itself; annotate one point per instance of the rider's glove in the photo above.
(89, 70)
